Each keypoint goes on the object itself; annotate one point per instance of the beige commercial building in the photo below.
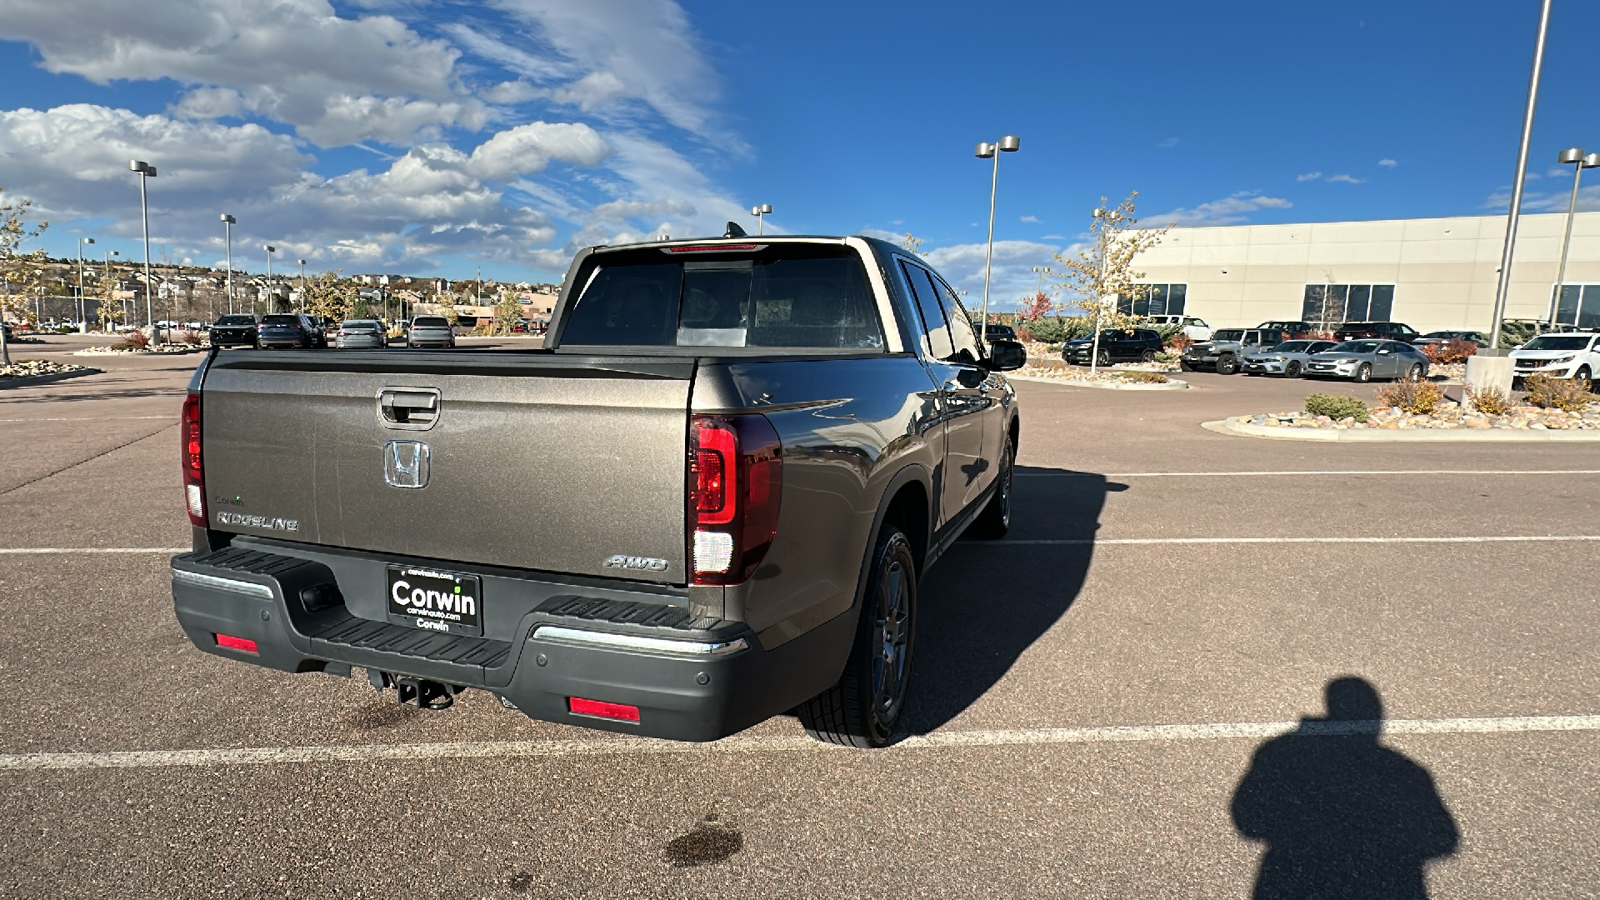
(1432, 274)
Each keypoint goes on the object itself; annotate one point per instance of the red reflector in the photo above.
(236, 643)
(603, 709)
(711, 248)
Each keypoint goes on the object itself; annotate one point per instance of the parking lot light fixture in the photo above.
(271, 295)
(1503, 286)
(145, 171)
(1579, 161)
(83, 306)
(227, 229)
(760, 212)
(1008, 144)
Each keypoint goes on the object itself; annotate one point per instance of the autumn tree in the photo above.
(912, 244)
(17, 268)
(110, 309)
(507, 313)
(330, 297)
(1102, 274)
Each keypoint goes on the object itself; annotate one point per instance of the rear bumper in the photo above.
(691, 679)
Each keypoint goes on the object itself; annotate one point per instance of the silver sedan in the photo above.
(1288, 358)
(1366, 359)
(361, 333)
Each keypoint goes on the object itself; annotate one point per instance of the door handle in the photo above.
(408, 408)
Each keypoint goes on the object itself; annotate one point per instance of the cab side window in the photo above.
(933, 320)
(961, 331)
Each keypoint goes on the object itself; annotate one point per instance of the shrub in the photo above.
(1489, 401)
(1515, 334)
(1179, 342)
(1312, 336)
(137, 340)
(1336, 407)
(1451, 351)
(1169, 356)
(1166, 332)
(123, 346)
(1565, 394)
(1052, 349)
(1024, 335)
(1141, 376)
(1060, 329)
(192, 338)
(1417, 397)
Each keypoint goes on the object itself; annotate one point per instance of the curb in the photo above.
(45, 379)
(1173, 384)
(1381, 435)
(117, 354)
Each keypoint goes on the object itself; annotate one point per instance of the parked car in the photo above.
(361, 334)
(1116, 345)
(1288, 358)
(1194, 329)
(1227, 349)
(1573, 354)
(995, 331)
(730, 518)
(1293, 328)
(1392, 331)
(1364, 360)
(427, 331)
(1445, 337)
(290, 330)
(235, 330)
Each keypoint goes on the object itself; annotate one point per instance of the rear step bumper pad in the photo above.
(692, 679)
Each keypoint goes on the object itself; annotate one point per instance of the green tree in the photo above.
(1102, 275)
(507, 313)
(24, 270)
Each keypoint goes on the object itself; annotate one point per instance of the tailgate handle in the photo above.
(416, 408)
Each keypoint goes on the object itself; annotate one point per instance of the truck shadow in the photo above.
(985, 603)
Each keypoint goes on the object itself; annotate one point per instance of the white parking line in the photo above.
(1457, 539)
(45, 551)
(1310, 474)
(244, 756)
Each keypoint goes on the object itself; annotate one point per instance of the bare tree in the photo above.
(16, 267)
(1102, 274)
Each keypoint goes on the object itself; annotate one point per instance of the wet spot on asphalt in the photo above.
(708, 843)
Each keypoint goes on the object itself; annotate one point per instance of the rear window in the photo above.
(787, 295)
(359, 325)
(430, 322)
(237, 320)
(277, 319)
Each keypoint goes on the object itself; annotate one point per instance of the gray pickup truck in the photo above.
(706, 500)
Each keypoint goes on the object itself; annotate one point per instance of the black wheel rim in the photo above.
(891, 633)
(1005, 486)
(1104, 358)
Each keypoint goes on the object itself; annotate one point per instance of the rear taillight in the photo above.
(735, 483)
(194, 482)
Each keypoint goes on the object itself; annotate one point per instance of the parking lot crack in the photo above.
(103, 453)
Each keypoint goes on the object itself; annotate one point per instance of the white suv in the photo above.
(1572, 354)
(1193, 328)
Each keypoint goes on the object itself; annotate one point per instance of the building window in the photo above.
(1335, 304)
(1579, 304)
(1156, 300)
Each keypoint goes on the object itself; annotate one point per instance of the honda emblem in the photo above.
(405, 464)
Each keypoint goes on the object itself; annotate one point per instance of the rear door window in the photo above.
(803, 296)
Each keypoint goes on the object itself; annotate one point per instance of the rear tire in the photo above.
(863, 708)
(995, 520)
(1227, 364)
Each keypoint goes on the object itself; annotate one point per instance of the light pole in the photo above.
(759, 212)
(1042, 271)
(302, 284)
(227, 229)
(1579, 161)
(1008, 144)
(83, 308)
(146, 172)
(272, 296)
(1504, 286)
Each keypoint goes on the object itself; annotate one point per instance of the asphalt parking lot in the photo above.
(1090, 694)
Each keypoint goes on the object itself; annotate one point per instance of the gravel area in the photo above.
(159, 348)
(32, 368)
(1448, 415)
(1126, 374)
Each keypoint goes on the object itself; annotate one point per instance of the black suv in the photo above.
(1115, 344)
(290, 330)
(235, 330)
(1391, 331)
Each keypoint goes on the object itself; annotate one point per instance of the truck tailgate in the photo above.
(545, 462)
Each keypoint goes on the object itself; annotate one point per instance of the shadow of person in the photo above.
(1342, 815)
(985, 604)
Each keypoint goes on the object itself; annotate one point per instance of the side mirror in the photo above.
(1007, 355)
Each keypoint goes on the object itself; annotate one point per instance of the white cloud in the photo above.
(336, 80)
(1388, 163)
(1346, 179)
(1031, 219)
(528, 148)
(1309, 176)
(1168, 143)
(963, 266)
(1227, 211)
(1556, 201)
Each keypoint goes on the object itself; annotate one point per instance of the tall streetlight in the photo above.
(1504, 287)
(227, 229)
(146, 172)
(272, 296)
(1579, 161)
(83, 308)
(106, 260)
(1042, 271)
(759, 212)
(1008, 144)
(302, 284)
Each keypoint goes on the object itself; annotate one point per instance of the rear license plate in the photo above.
(435, 601)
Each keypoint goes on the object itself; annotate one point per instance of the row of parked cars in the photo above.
(299, 330)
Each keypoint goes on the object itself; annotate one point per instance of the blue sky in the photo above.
(434, 137)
